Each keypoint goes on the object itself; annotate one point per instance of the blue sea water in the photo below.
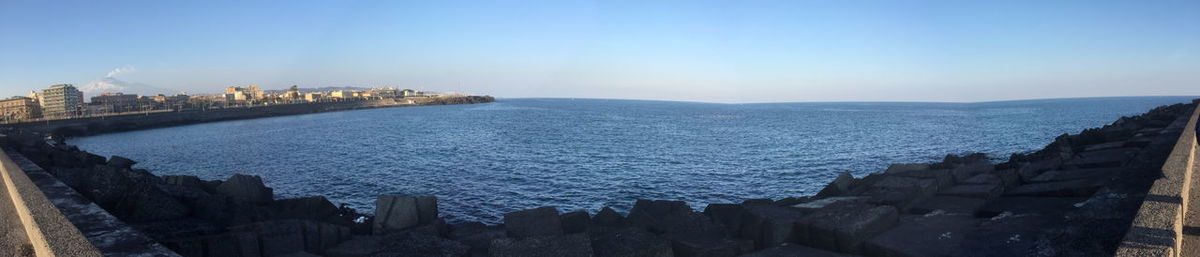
(485, 160)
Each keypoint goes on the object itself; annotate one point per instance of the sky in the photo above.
(709, 51)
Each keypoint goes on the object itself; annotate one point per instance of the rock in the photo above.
(923, 235)
(538, 246)
(942, 177)
(309, 208)
(669, 217)
(575, 222)
(983, 179)
(1009, 178)
(845, 227)
(974, 191)
(243, 244)
(727, 215)
(119, 162)
(542, 221)
(276, 237)
(1031, 170)
(397, 212)
(906, 167)
(1018, 205)
(1061, 175)
(839, 186)
(921, 186)
(1007, 235)
(420, 245)
(706, 246)
(822, 203)
(182, 180)
(949, 204)
(182, 192)
(1066, 188)
(246, 188)
(607, 217)
(770, 226)
(477, 236)
(148, 203)
(631, 242)
(965, 172)
(792, 250)
(1102, 158)
(76, 178)
(106, 186)
(358, 246)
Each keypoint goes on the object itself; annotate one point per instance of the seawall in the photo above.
(1078, 196)
(108, 124)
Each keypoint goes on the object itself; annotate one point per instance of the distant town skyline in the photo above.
(708, 51)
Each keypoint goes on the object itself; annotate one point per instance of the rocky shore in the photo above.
(1075, 197)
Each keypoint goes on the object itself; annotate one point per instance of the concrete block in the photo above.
(974, 191)
(631, 242)
(542, 221)
(949, 204)
(923, 235)
(1066, 188)
(845, 227)
(792, 250)
(573, 245)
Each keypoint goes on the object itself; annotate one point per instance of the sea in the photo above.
(485, 160)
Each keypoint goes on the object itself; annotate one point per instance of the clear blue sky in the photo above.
(718, 51)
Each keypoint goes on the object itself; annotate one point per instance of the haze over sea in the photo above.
(485, 160)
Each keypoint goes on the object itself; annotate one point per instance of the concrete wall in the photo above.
(57, 221)
(46, 230)
(1158, 229)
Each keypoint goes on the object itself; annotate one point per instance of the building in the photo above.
(61, 101)
(243, 94)
(386, 92)
(314, 97)
(408, 93)
(292, 94)
(19, 108)
(116, 102)
(344, 94)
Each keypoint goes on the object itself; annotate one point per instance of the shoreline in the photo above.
(108, 124)
(962, 192)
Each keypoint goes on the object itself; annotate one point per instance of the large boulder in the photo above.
(246, 188)
(630, 242)
(476, 235)
(670, 217)
(770, 225)
(309, 208)
(923, 235)
(839, 186)
(607, 217)
(845, 227)
(543, 221)
(106, 186)
(573, 245)
(575, 222)
(397, 212)
(119, 162)
(149, 203)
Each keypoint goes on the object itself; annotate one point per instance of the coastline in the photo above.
(960, 193)
(108, 124)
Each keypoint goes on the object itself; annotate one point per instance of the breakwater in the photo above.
(1076, 196)
(108, 124)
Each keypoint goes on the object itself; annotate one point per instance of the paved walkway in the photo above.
(12, 234)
